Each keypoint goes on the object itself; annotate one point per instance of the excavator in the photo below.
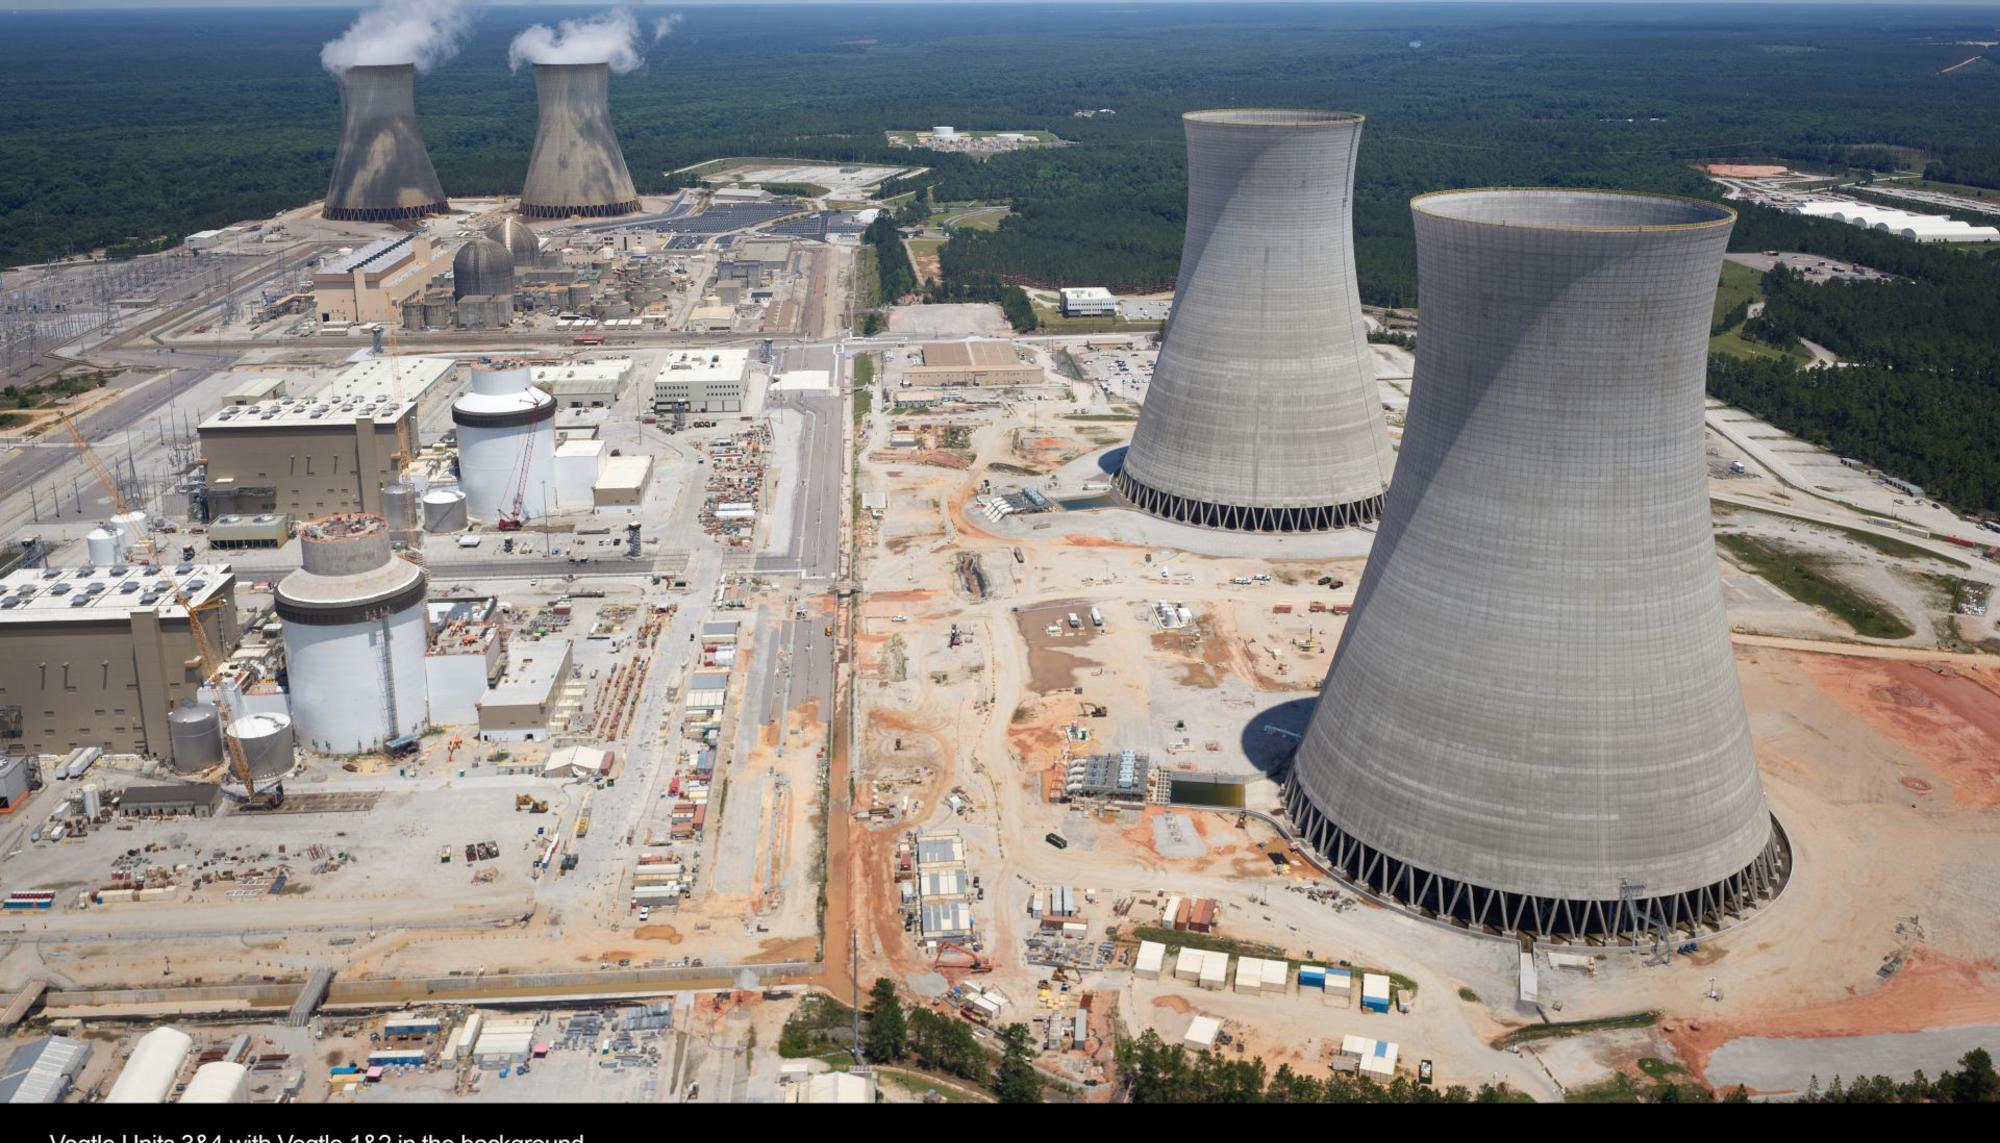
(974, 962)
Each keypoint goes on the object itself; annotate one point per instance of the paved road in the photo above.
(511, 567)
(814, 551)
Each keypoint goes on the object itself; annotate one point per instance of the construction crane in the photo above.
(512, 518)
(142, 546)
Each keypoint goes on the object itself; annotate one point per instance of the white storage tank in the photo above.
(218, 1081)
(155, 1064)
(93, 801)
(196, 734)
(399, 507)
(444, 511)
(266, 740)
(354, 637)
(506, 446)
(104, 546)
(131, 526)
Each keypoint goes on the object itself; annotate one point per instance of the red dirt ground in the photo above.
(1948, 716)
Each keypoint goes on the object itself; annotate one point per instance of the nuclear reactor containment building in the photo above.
(382, 172)
(577, 167)
(354, 641)
(1263, 414)
(506, 446)
(1533, 721)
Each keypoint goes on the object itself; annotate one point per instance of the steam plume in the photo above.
(421, 32)
(612, 37)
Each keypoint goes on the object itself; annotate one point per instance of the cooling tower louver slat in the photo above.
(1549, 738)
(1262, 414)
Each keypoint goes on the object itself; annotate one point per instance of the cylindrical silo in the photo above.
(266, 740)
(577, 167)
(1533, 723)
(354, 637)
(218, 1081)
(196, 734)
(399, 507)
(103, 545)
(131, 529)
(93, 801)
(444, 510)
(506, 447)
(1263, 414)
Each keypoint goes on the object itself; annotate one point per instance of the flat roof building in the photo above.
(100, 656)
(325, 454)
(583, 384)
(712, 319)
(708, 691)
(949, 363)
(704, 380)
(196, 798)
(519, 706)
(1088, 301)
(372, 283)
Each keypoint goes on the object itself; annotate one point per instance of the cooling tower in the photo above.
(577, 167)
(382, 172)
(1532, 723)
(1263, 414)
(354, 641)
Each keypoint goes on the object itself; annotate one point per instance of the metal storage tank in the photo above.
(577, 167)
(520, 241)
(131, 529)
(399, 506)
(482, 268)
(1533, 723)
(93, 800)
(196, 732)
(103, 545)
(506, 446)
(155, 1064)
(218, 1081)
(1263, 414)
(444, 510)
(381, 172)
(266, 740)
(354, 637)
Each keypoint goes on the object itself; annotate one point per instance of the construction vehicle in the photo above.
(973, 961)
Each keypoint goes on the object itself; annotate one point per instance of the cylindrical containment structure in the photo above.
(381, 172)
(521, 242)
(506, 447)
(1533, 722)
(482, 268)
(354, 637)
(577, 167)
(218, 1081)
(93, 801)
(399, 507)
(444, 510)
(196, 733)
(266, 741)
(154, 1065)
(1263, 415)
(103, 546)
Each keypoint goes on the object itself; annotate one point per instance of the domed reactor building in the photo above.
(1263, 415)
(577, 168)
(1533, 722)
(382, 173)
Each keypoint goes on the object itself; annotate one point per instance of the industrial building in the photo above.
(594, 384)
(316, 456)
(1263, 413)
(43, 1071)
(703, 381)
(1542, 732)
(195, 799)
(482, 286)
(218, 1081)
(153, 1068)
(354, 637)
(468, 655)
(577, 167)
(1904, 224)
(1088, 301)
(520, 706)
(99, 656)
(381, 173)
(756, 262)
(506, 446)
(1122, 776)
(989, 363)
(372, 283)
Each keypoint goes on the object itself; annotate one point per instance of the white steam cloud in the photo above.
(612, 37)
(421, 32)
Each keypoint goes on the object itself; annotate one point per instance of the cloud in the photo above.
(421, 32)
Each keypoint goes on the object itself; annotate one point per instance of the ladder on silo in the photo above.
(388, 675)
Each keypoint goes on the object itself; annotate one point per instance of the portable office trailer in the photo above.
(1374, 992)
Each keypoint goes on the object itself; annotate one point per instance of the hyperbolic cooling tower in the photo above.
(1263, 413)
(577, 167)
(382, 172)
(1533, 722)
(354, 637)
(506, 446)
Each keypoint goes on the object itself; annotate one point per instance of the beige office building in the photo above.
(372, 283)
(100, 656)
(319, 455)
(972, 363)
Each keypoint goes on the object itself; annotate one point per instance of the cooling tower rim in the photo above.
(1292, 117)
(1435, 206)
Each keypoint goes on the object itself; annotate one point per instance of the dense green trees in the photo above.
(1016, 1081)
(1974, 1082)
(894, 276)
(888, 1035)
(1157, 1072)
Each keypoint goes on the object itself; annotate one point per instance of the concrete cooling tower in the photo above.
(577, 167)
(354, 643)
(1263, 414)
(506, 447)
(382, 172)
(1533, 723)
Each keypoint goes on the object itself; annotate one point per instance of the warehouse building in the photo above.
(101, 656)
(372, 283)
(583, 384)
(43, 1071)
(703, 381)
(518, 708)
(197, 799)
(329, 453)
(987, 363)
